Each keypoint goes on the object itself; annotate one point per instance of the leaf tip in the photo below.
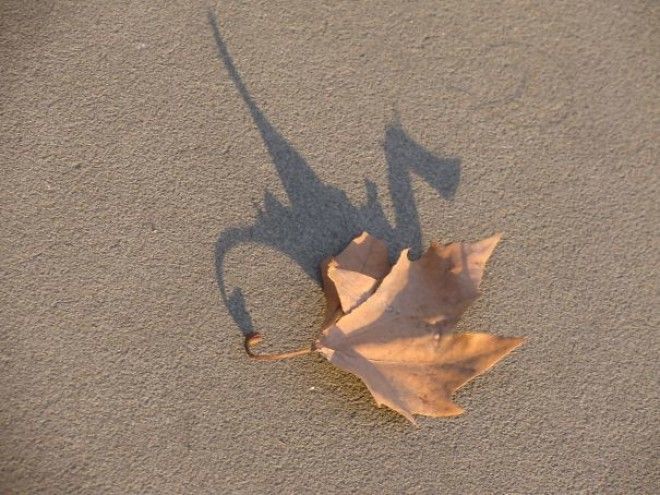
(408, 415)
(490, 243)
(516, 342)
(482, 250)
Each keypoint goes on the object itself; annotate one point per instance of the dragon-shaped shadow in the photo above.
(320, 219)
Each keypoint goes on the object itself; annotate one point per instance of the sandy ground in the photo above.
(171, 176)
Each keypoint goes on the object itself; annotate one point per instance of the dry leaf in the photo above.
(351, 277)
(393, 330)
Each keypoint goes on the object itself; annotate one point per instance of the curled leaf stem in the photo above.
(254, 339)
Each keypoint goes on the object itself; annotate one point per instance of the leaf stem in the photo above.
(255, 338)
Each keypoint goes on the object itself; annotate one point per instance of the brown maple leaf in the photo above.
(393, 330)
(352, 276)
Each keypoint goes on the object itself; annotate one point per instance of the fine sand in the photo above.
(173, 173)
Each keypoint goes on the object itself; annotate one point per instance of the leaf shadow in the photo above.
(319, 219)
